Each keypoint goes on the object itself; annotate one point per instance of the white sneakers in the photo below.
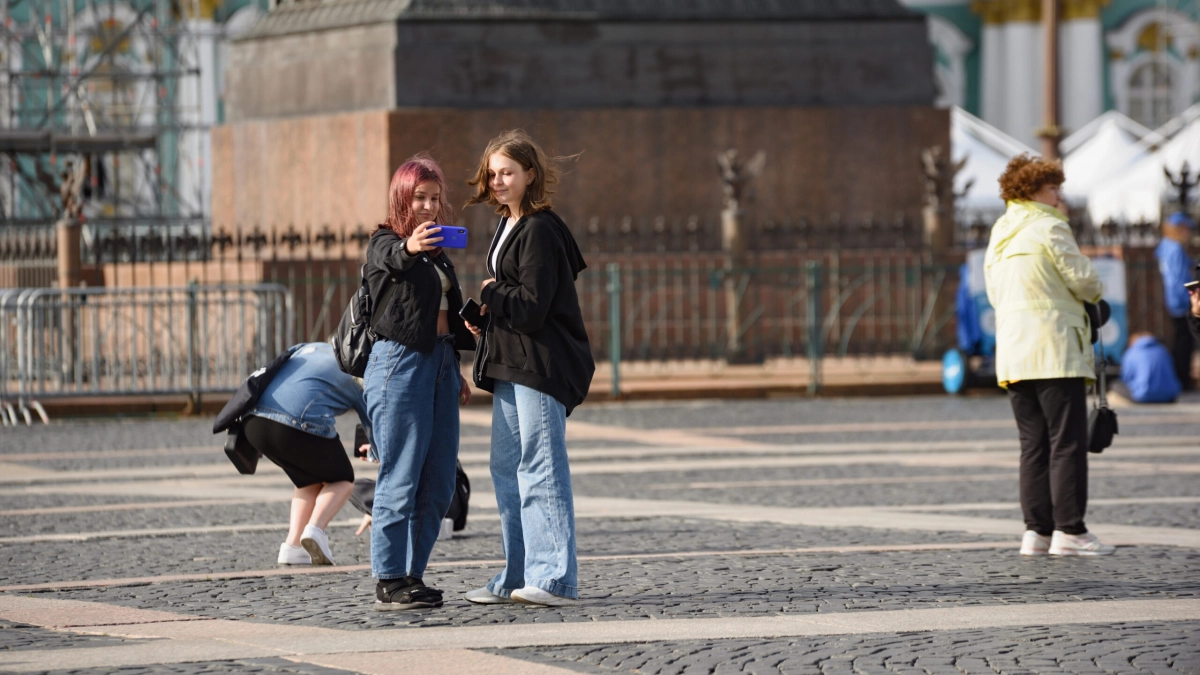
(484, 596)
(317, 544)
(1034, 544)
(1063, 544)
(1078, 544)
(293, 555)
(532, 595)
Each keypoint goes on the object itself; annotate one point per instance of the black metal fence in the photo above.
(875, 289)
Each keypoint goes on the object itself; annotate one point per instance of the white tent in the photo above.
(1100, 150)
(1136, 193)
(987, 150)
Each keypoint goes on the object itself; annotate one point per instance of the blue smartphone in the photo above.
(453, 236)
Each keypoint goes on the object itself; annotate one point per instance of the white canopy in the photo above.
(987, 150)
(1135, 194)
(1103, 148)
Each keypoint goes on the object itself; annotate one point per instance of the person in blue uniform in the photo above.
(1175, 266)
(1148, 372)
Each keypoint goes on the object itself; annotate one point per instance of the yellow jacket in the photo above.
(1037, 282)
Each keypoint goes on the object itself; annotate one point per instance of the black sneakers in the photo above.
(405, 593)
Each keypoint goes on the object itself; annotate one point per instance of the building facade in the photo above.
(1140, 57)
(325, 99)
(129, 89)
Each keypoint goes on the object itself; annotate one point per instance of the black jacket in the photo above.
(536, 336)
(1194, 325)
(410, 317)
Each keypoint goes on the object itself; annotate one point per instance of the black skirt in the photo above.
(306, 458)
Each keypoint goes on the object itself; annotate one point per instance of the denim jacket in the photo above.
(310, 391)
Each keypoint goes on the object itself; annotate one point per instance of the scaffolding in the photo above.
(101, 111)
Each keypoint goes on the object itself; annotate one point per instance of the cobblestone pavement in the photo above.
(882, 533)
(1117, 648)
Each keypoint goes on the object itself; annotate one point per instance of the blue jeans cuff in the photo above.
(501, 592)
(556, 587)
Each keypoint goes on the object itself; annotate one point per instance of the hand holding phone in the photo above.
(471, 312)
(426, 237)
(453, 236)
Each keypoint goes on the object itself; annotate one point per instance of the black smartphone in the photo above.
(360, 439)
(1192, 285)
(470, 313)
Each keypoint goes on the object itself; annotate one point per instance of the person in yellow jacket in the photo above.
(1037, 281)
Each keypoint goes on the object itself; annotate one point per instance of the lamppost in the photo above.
(1050, 132)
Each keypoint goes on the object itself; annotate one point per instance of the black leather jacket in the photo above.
(410, 317)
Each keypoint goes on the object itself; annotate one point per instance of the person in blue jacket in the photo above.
(1175, 266)
(292, 424)
(1148, 372)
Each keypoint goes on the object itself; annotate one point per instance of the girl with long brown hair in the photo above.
(535, 358)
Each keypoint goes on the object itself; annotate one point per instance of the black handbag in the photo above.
(239, 451)
(355, 334)
(1102, 420)
(1098, 315)
(363, 497)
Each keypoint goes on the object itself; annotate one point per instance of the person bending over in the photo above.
(293, 426)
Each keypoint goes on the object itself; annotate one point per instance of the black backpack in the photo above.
(355, 334)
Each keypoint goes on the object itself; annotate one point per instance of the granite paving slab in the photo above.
(269, 665)
(642, 486)
(21, 501)
(19, 636)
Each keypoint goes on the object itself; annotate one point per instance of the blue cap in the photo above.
(1179, 219)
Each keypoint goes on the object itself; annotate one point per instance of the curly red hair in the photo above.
(1025, 175)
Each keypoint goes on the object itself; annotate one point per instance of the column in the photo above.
(1081, 64)
(992, 65)
(1023, 75)
(198, 109)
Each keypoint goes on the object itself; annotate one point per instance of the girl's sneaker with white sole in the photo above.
(484, 596)
(1078, 544)
(532, 595)
(1034, 544)
(293, 555)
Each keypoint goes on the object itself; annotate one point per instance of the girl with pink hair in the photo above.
(413, 384)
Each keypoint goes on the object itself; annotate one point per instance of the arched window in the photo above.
(1150, 94)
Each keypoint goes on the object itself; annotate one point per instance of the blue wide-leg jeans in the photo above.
(412, 400)
(532, 480)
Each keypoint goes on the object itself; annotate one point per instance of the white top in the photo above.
(506, 229)
(445, 304)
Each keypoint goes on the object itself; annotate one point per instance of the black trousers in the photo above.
(1182, 352)
(1052, 422)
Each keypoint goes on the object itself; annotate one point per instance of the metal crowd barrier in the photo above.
(135, 341)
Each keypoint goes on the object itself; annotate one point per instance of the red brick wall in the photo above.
(334, 169)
